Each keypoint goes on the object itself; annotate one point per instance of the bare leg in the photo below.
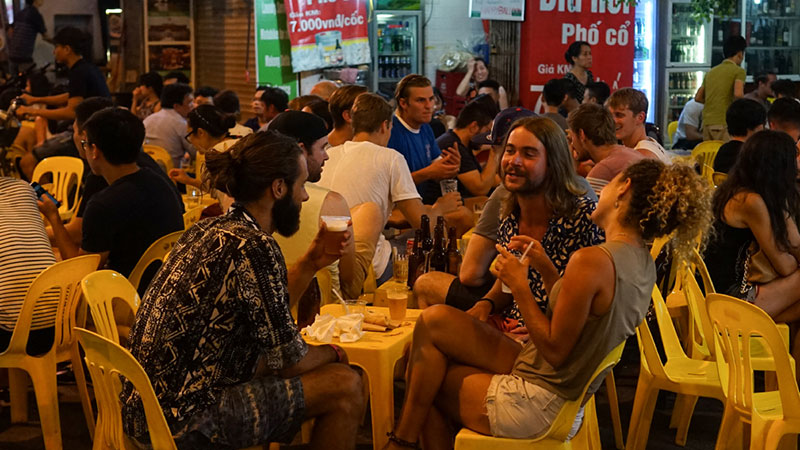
(334, 395)
(443, 335)
(40, 126)
(431, 288)
(780, 298)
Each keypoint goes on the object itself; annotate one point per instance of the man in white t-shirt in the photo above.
(365, 170)
(689, 133)
(629, 108)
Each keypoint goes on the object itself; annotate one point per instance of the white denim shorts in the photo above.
(518, 409)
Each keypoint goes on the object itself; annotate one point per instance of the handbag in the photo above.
(757, 268)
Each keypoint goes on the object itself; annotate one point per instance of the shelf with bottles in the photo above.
(395, 36)
(780, 61)
(684, 81)
(687, 37)
(773, 9)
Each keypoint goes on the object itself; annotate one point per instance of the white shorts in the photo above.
(518, 409)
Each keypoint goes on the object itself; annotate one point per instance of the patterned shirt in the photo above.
(564, 235)
(578, 85)
(218, 304)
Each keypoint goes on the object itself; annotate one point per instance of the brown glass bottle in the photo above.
(425, 226)
(416, 260)
(453, 255)
(438, 258)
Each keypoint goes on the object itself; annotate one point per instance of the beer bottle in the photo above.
(416, 260)
(453, 255)
(425, 226)
(438, 259)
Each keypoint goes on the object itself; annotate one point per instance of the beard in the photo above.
(528, 187)
(286, 215)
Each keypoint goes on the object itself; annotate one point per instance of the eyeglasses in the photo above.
(84, 143)
(189, 134)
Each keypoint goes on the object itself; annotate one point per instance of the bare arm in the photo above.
(74, 228)
(335, 205)
(700, 96)
(64, 113)
(317, 356)
(503, 100)
(67, 247)
(301, 273)
(692, 133)
(441, 168)
(475, 264)
(738, 89)
(479, 182)
(413, 209)
(52, 100)
(750, 210)
(463, 86)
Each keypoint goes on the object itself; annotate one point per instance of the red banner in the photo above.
(326, 33)
(549, 28)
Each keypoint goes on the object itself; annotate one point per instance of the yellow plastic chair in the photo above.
(160, 155)
(191, 216)
(704, 155)
(772, 414)
(101, 289)
(107, 361)
(588, 437)
(67, 173)
(718, 178)
(158, 251)
(672, 127)
(680, 374)
(64, 276)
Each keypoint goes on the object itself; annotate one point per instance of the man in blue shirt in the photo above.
(413, 137)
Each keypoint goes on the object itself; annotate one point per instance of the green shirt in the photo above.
(718, 87)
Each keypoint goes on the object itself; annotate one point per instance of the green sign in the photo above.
(398, 4)
(273, 63)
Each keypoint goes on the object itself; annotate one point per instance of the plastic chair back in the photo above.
(704, 155)
(160, 155)
(100, 289)
(735, 323)
(107, 361)
(718, 178)
(191, 216)
(67, 173)
(158, 251)
(651, 361)
(672, 127)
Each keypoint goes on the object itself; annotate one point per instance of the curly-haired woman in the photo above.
(465, 371)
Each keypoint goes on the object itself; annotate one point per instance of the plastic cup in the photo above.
(194, 196)
(336, 225)
(356, 306)
(398, 302)
(448, 186)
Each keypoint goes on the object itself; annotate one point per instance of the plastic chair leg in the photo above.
(80, 380)
(684, 417)
(644, 404)
(18, 389)
(730, 430)
(613, 403)
(45, 388)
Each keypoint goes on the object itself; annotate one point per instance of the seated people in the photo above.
(473, 120)
(259, 109)
(275, 101)
(744, 118)
(339, 105)
(167, 128)
(413, 138)
(596, 92)
(784, 89)
(205, 95)
(474, 279)
(93, 183)
(463, 371)
(214, 332)
(25, 252)
(490, 88)
(320, 109)
(629, 109)
(546, 201)
(759, 202)
(554, 95)
(138, 207)
(784, 115)
(147, 96)
(763, 89)
(311, 135)
(688, 133)
(592, 137)
(324, 89)
(477, 72)
(363, 170)
(228, 102)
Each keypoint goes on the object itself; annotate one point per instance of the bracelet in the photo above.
(401, 442)
(339, 352)
(490, 302)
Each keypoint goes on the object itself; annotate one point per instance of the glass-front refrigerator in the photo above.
(644, 53)
(689, 44)
(396, 39)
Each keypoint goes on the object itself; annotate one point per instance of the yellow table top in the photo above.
(374, 340)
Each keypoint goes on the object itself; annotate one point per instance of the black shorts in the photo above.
(59, 145)
(464, 297)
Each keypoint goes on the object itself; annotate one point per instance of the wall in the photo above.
(83, 7)
(447, 24)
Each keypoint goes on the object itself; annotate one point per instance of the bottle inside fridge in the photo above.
(396, 49)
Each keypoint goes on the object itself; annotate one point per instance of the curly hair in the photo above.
(669, 199)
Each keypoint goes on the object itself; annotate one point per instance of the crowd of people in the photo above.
(581, 189)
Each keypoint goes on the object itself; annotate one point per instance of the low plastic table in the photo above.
(377, 353)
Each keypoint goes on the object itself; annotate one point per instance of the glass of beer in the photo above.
(398, 302)
(336, 226)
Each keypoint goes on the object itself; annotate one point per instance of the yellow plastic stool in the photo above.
(191, 216)
(588, 437)
(704, 155)
(65, 276)
(772, 414)
(67, 173)
(160, 156)
(158, 251)
(672, 127)
(100, 289)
